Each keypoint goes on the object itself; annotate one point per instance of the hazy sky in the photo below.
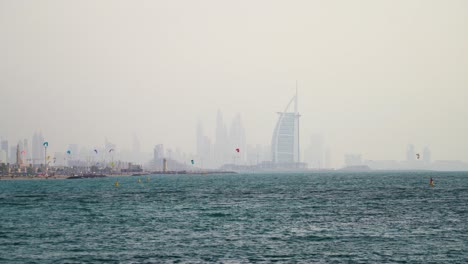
(373, 75)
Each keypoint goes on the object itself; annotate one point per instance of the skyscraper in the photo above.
(12, 157)
(158, 152)
(38, 154)
(285, 141)
(410, 153)
(427, 155)
(204, 148)
(34, 148)
(26, 152)
(18, 155)
(4, 147)
(221, 147)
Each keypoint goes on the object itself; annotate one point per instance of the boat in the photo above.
(86, 176)
(140, 174)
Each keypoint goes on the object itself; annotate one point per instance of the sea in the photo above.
(313, 217)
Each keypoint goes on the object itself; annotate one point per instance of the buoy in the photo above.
(116, 184)
(139, 180)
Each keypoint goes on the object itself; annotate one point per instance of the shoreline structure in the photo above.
(91, 176)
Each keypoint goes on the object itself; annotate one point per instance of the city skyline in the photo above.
(373, 77)
(316, 153)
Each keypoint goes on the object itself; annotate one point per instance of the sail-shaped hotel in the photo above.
(285, 142)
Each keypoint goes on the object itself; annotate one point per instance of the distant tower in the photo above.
(158, 152)
(41, 148)
(410, 153)
(204, 147)
(36, 149)
(4, 147)
(285, 141)
(164, 165)
(221, 147)
(26, 149)
(19, 162)
(427, 155)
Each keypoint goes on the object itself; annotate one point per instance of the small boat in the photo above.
(87, 176)
(140, 174)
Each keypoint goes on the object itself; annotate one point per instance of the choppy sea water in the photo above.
(335, 217)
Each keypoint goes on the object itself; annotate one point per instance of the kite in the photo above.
(110, 150)
(69, 152)
(193, 162)
(95, 151)
(417, 155)
(45, 144)
(238, 150)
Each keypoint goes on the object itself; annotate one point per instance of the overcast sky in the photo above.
(373, 75)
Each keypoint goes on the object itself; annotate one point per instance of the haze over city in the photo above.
(214, 131)
(373, 76)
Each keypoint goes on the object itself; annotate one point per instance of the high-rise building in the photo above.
(3, 156)
(169, 153)
(12, 157)
(221, 147)
(427, 155)
(285, 141)
(19, 161)
(4, 147)
(38, 154)
(410, 153)
(34, 148)
(204, 148)
(26, 154)
(158, 152)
